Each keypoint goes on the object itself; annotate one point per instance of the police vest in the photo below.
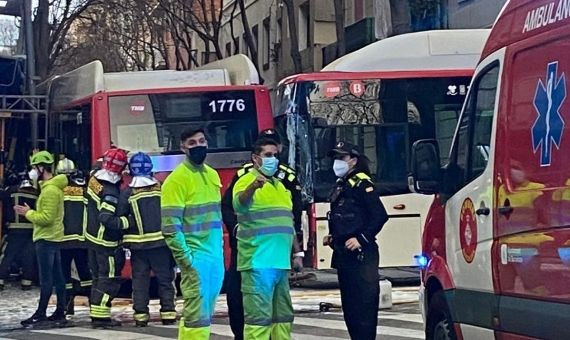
(22, 196)
(95, 233)
(74, 218)
(145, 231)
(346, 217)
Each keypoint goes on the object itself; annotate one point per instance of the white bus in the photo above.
(382, 98)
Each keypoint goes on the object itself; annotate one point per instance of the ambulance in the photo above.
(496, 243)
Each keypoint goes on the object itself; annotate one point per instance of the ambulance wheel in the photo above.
(439, 324)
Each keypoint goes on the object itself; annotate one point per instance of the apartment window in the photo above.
(304, 26)
(279, 33)
(245, 48)
(266, 43)
(236, 49)
(229, 49)
(208, 57)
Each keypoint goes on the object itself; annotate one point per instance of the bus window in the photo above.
(153, 122)
(70, 132)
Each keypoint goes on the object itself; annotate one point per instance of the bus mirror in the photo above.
(425, 177)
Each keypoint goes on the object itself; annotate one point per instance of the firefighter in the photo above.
(65, 165)
(18, 240)
(103, 234)
(356, 217)
(233, 283)
(73, 246)
(192, 228)
(265, 236)
(47, 220)
(140, 202)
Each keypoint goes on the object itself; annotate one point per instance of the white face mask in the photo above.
(340, 168)
(34, 175)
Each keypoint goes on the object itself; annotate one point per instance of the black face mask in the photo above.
(197, 154)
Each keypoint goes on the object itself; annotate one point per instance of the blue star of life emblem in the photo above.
(549, 125)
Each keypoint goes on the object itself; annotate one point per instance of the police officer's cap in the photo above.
(343, 148)
(271, 134)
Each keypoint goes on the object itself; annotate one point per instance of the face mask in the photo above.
(34, 174)
(269, 166)
(197, 154)
(340, 168)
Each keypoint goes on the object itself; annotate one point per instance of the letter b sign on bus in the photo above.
(357, 88)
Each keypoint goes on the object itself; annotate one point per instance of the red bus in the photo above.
(90, 110)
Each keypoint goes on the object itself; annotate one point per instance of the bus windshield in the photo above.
(152, 123)
(383, 117)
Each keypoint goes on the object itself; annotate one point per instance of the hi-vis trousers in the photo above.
(267, 304)
(106, 265)
(201, 285)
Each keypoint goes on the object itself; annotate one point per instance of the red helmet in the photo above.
(115, 160)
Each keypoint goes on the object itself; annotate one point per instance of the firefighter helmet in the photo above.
(140, 164)
(115, 160)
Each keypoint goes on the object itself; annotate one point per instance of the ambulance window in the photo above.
(471, 150)
(484, 111)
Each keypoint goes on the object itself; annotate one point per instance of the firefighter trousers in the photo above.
(201, 284)
(80, 257)
(360, 292)
(18, 248)
(267, 304)
(106, 265)
(161, 262)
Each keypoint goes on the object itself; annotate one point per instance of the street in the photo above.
(402, 321)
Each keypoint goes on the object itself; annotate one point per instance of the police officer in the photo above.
(73, 247)
(233, 283)
(192, 228)
(356, 217)
(140, 202)
(103, 234)
(18, 246)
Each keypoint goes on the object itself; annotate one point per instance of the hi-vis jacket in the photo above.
(191, 214)
(142, 207)
(74, 218)
(104, 227)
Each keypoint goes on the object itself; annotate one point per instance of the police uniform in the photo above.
(148, 251)
(357, 212)
(73, 247)
(288, 178)
(18, 240)
(103, 233)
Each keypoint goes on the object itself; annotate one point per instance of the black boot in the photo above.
(104, 323)
(58, 317)
(168, 322)
(34, 320)
(70, 306)
(141, 323)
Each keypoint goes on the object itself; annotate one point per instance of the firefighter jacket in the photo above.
(142, 207)
(14, 195)
(105, 227)
(356, 211)
(288, 179)
(48, 216)
(75, 217)
(191, 214)
(265, 226)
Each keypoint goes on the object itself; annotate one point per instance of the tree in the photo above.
(8, 35)
(339, 8)
(51, 25)
(295, 54)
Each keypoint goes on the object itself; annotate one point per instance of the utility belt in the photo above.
(344, 225)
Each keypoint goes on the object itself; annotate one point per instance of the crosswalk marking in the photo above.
(382, 330)
(100, 334)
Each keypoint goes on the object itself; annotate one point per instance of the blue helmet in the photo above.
(140, 164)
